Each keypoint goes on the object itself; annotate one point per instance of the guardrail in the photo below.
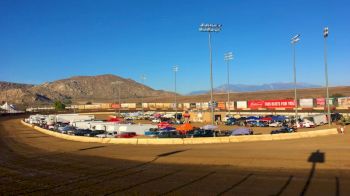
(174, 141)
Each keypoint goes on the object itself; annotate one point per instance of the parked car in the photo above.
(307, 124)
(256, 124)
(230, 121)
(156, 120)
(275, 124)
(242, 131)
(108, 135)
(169, 134)
(283, 130)
(82, 132)
(126, 135)
(202, 133)
(66, 129)
(96, 132)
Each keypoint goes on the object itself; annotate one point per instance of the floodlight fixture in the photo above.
(228, 56)
(295, 39)
(325, 32)
(175, 68)
(210, 27)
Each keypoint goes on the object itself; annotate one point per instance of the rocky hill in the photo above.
(77, 89)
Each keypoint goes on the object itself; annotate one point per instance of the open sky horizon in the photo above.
(43, 41)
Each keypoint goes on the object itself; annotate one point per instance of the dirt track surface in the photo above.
(36, 164)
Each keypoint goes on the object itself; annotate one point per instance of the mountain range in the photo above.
(77, 89)
(254, 88)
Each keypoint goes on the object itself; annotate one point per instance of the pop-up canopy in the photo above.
(184, 128)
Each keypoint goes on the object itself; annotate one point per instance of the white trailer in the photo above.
(139, 129)
(319, 119)
(85, 124)
(70, 118)
(50, 119)
(102, 125)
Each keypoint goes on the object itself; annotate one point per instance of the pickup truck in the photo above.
(108, 135)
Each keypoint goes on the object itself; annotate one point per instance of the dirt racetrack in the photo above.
(32, 163)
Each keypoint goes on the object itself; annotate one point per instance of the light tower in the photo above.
(175, 70)
(228, 57)
(325, 35)
(294, 41)
(210, 28)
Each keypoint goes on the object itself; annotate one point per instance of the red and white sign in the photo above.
(320, 101)
(256, 104)
(115, 105)
(284, 103)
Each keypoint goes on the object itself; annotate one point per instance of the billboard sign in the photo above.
(283, 103)
(306, 103)
(344, 101)
(241, 104)
(256, 104)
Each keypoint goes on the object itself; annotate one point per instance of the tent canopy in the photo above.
(185, 127)
(266, 119)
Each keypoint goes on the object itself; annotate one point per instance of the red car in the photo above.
(126, 135)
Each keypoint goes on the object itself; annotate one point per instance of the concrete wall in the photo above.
(173, 141)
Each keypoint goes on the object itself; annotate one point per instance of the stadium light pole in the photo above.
(228, 57)
(143, 78)
(210, 28)
(294, 41)
(175, 69)
(325, 35)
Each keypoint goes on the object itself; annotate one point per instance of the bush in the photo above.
(59, 105)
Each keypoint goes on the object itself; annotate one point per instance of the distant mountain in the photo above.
(254, 88)
(82, 88)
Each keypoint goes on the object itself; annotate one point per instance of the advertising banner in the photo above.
(283, 103)
(145, 105)
(125, 105)
(256, 104)
(306, 103)
(344, 101)
(320, 101)
(230, 105)
(221, 105)
(192, 105)
(152, 105)
(115, 105)
(186, 105)
(159, 105)
(132, 105)
(241, 104)
(205, 105)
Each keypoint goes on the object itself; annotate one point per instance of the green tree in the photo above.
(59, 105)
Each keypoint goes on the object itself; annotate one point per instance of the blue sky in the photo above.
(48, 40)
